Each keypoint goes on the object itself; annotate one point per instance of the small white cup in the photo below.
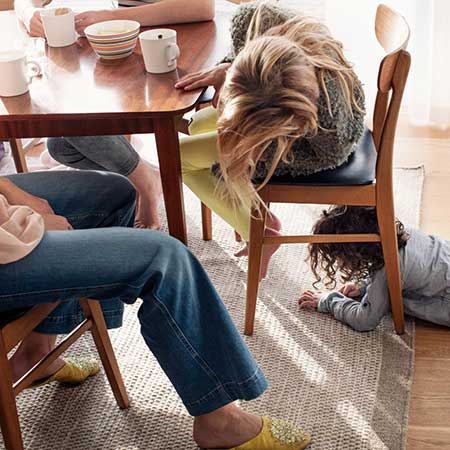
(15, 72)
(59, 29)
(160, 50)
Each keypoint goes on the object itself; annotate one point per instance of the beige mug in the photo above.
(15, 72)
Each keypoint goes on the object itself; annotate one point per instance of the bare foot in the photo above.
(227, 427)
(147, 180)
(273, 228)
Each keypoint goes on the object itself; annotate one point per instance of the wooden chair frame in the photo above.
(14, 332)
(393, 34)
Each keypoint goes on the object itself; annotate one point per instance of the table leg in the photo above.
(168, 147)
(18, 155)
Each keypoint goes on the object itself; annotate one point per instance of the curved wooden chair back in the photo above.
(393, 33)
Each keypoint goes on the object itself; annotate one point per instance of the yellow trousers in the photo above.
(198, 154)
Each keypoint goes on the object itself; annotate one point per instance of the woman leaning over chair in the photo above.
(288, 104)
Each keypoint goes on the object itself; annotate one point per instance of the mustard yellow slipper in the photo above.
(75, 371)
(277, 435)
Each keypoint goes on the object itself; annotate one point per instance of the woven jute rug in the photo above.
(350, 389)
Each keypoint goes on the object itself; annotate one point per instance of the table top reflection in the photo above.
(76, 82)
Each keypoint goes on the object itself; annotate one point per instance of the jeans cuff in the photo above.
(228, 393)
(130, 164)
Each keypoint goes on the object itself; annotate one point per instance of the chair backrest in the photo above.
(392, 32)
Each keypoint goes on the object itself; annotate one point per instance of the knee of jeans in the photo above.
(55, 146)
(120, 187)
(172, 253)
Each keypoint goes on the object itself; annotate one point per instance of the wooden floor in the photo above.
(429, 422)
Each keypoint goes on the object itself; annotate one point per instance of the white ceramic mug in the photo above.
(59, 28)
(160, 50)
(15, 72)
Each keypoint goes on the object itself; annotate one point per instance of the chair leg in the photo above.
(18, 155)
(206, 223)
(9, 419)
(388, 233)
(255, 247)
(93, 311)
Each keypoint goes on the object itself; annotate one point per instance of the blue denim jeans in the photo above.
(183, 320)
(110, 153)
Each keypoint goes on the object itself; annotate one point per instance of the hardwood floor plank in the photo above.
(429, 420)
(426, 438)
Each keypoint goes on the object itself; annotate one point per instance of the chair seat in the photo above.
(207, 96)
(359, 170)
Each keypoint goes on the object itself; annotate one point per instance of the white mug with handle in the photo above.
(160, 50)
(16, 72)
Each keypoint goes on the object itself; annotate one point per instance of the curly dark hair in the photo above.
(355, 261)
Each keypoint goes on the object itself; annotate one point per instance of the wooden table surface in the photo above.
(81, 95)
(76, 83)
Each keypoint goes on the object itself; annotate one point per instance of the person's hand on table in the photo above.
(54, 222)
(84, 19)
(210, 77)
(309, 299)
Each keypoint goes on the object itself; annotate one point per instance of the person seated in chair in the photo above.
(78, 241)
(289, 104)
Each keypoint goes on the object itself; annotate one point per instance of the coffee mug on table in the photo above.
(160, 50)
(59, 26)
(15, 72)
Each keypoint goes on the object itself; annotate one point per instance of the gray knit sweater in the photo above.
(337, 133)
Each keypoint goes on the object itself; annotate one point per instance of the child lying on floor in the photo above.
(364, 300)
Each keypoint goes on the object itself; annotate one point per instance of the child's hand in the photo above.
(309, 299)
(351, 290)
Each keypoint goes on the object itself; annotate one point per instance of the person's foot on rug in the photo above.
(231, 428)
(147, 180)
(30, 351)
(273, 228)
(35, 347)
(74, 371)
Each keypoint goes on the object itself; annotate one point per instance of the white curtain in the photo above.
(427, 97)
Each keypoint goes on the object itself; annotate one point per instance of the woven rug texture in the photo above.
(350, 389)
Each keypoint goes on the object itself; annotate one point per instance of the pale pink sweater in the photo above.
(21, 230)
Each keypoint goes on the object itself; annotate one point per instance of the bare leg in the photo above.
(32, 350)
(226, 427)
(147, 181)
(273, 227)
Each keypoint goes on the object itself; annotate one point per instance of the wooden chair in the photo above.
(15, 329)
(366, 180)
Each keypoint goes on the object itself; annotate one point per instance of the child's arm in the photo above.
(361, 315)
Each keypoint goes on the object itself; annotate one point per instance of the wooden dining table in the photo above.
(79, 94)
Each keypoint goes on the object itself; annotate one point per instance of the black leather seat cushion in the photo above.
(359, 170)
(207, 96)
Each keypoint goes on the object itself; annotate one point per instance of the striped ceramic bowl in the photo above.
(113, 39)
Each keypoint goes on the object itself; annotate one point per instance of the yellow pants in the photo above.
(198, 154)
